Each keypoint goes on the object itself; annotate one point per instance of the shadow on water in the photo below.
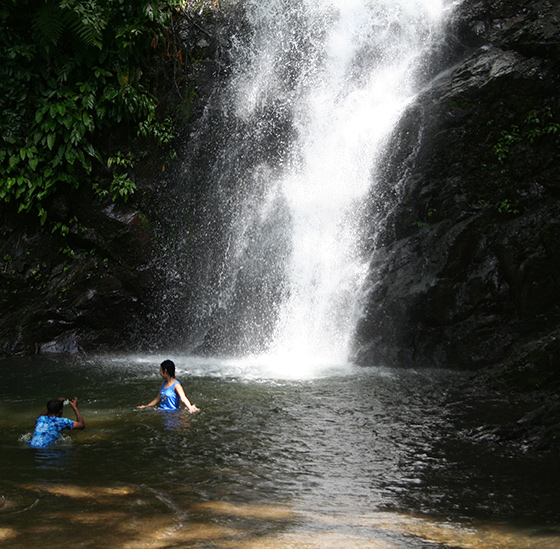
(365, 458)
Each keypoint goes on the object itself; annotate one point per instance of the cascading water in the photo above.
(288, 150)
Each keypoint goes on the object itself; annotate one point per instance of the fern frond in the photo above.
(48, 24)
(85, 20)
(86, 32)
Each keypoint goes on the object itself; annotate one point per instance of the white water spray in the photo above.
(343, 71)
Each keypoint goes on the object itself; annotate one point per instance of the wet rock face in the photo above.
(465, 266)
(83, 292)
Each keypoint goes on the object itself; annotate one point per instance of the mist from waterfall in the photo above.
(297, 134)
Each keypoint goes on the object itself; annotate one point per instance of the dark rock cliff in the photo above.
(465, 260)
(85, 291)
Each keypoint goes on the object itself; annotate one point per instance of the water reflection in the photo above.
(58, 459)
(176, 420)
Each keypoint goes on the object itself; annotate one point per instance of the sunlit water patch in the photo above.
(248, 368)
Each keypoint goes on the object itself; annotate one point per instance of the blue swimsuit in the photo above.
(169, 399)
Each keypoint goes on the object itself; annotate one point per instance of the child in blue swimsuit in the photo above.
(171, 393)
(50, 425)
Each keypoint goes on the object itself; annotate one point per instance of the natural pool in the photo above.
(341, 457)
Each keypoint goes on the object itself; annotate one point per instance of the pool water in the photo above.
(340, 457)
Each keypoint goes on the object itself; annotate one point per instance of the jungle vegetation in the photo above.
(82, 95)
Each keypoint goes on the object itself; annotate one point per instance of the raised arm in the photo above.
(79, 423)
(190, 407)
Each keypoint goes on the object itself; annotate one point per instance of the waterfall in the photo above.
(287, 152)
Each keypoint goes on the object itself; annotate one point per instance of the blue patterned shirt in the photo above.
(48, 429)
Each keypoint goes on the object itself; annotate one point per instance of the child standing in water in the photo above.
(171, 393)
(50, 425)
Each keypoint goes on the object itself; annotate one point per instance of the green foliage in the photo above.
(506, 206)
(507, 138)
(538, 123)
(75, 94)
(531, 135)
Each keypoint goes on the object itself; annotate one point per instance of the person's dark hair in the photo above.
(54, 406)
(169, 367)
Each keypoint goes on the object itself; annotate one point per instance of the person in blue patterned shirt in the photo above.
(50, 425)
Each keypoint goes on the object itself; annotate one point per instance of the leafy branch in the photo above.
(75, 93)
